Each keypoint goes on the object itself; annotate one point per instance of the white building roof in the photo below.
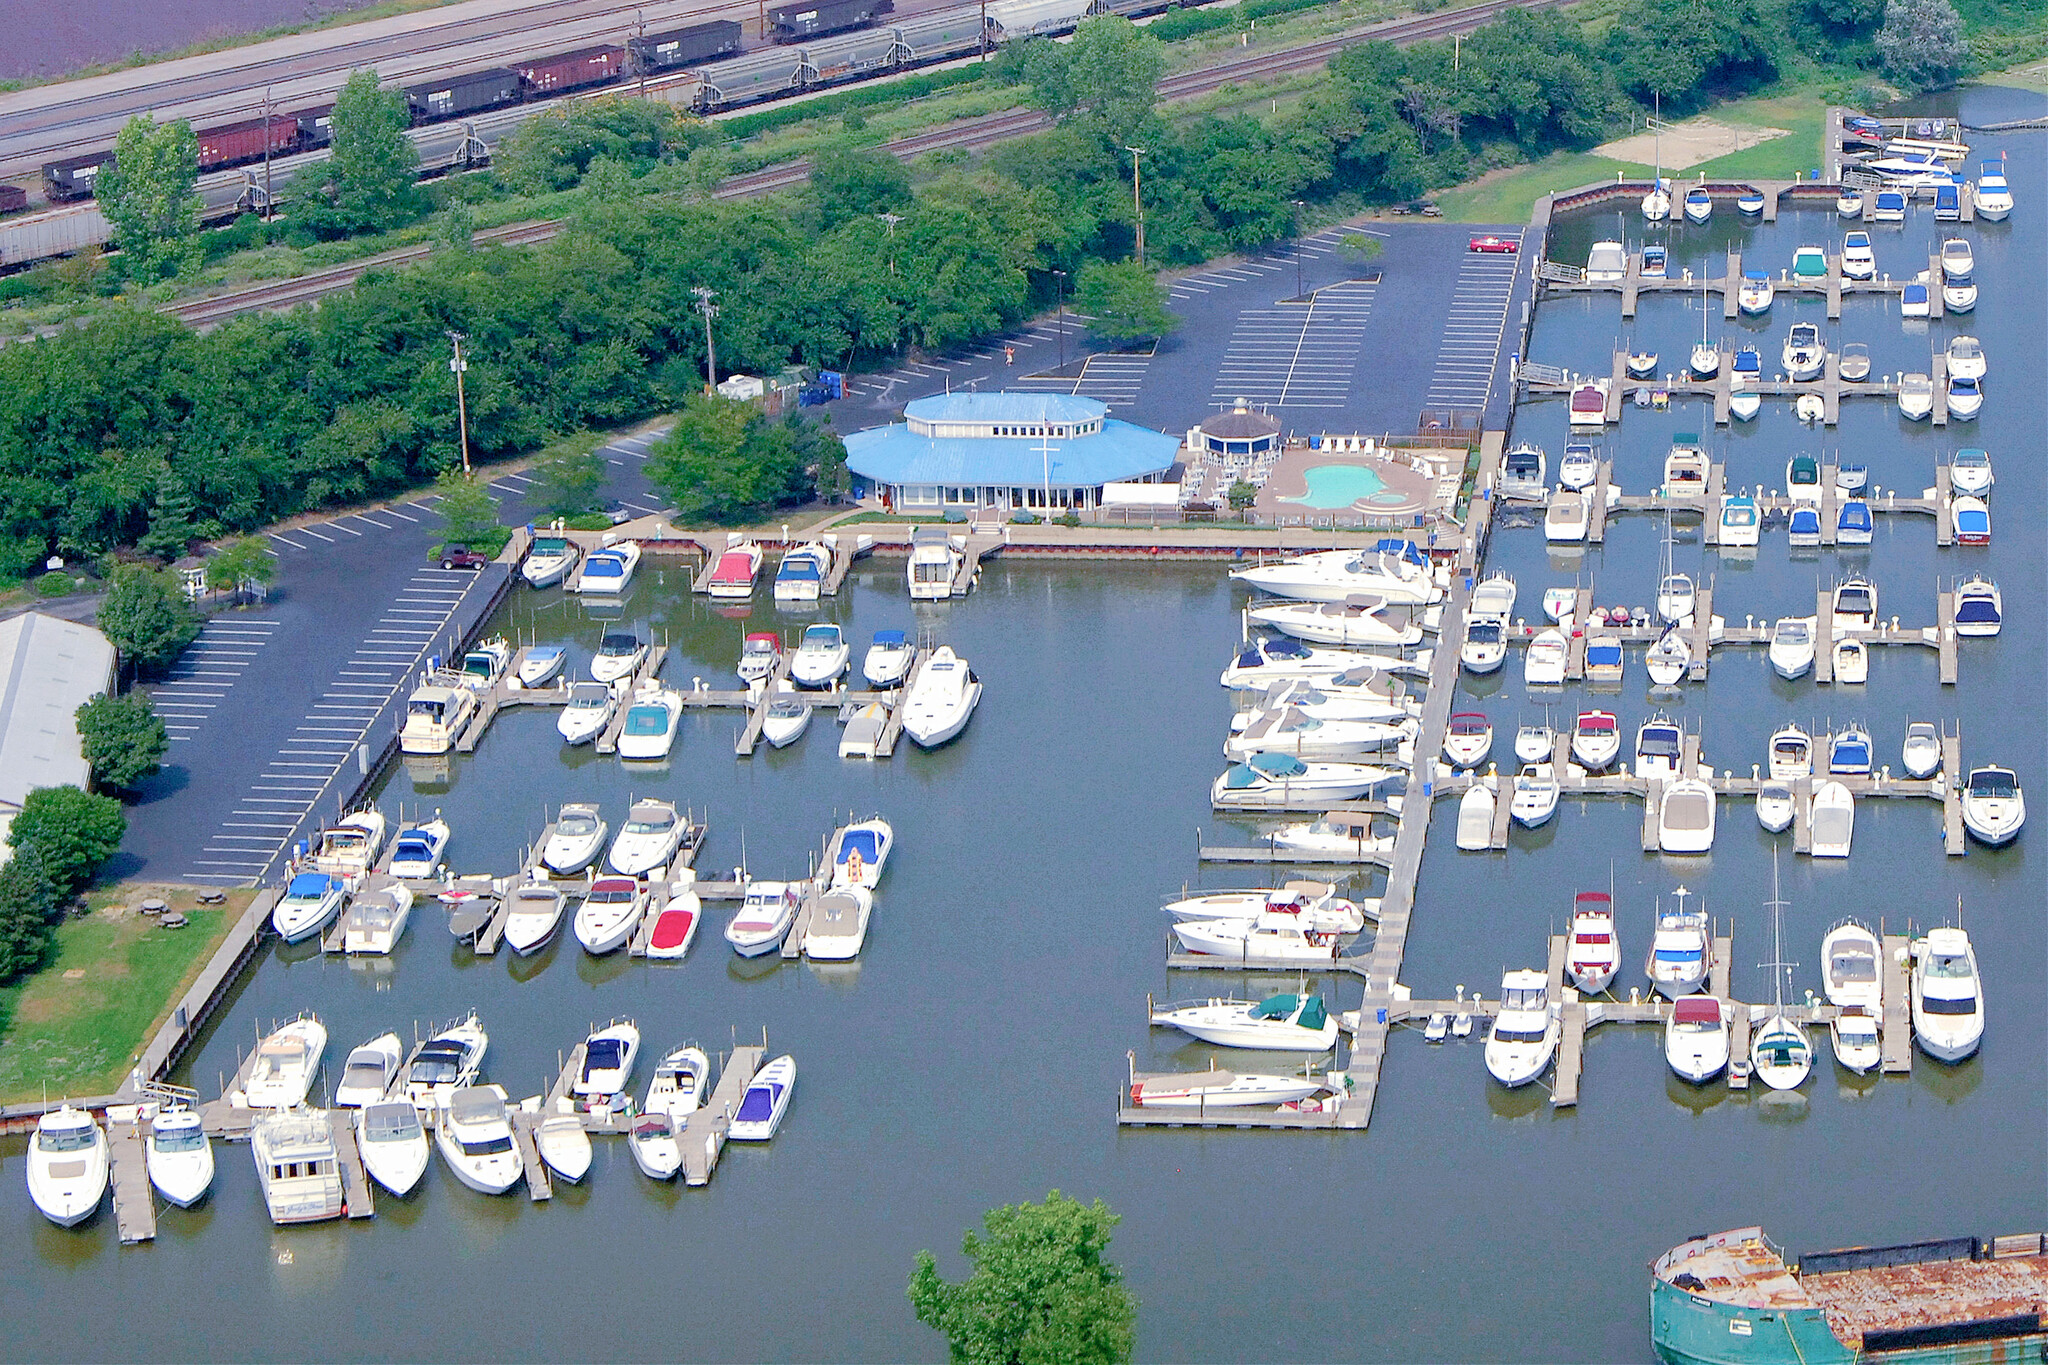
(48, 668)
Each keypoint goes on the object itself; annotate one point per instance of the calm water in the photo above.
(972, 1057)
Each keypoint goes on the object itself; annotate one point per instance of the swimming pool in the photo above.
(1335, 487)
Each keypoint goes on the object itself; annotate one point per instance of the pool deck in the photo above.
(1403, 490)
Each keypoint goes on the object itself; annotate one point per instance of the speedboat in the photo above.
(1849, 752)
(1639, 364)
(1534, 743)
(1792, 646)
(1948, 1000)
(1304, 736)
(1888, 207)
(349, 850)
(1668, 659)
(1741, 526)
(576, 839)
(563, 1146)
(376, 920)
(1699, 205)
(369, 1071)
(1656, 261)
(1852, 478)
(1791, 754)
(1468, 738)
(861, 734)
(738, 565)
(446, 1062)
(1848, 203)
(675, 1092)
(298, 1166)
(1485, 647)
(1969, 472)
(610, 914)
(675, 927)
(1276, 939)
(1745, 372)
(766, 1101)
(1774, 806)
(609, 571)
(485, 663)
(1216, 1089)
(802, 572)
(589, 710)
(1685, 467)
(1543, 663)
(1957, 260)
(1607, 261)
(436, 714)
(1859, 261)
(1525, 1032)
(1579, 468)
(1851, 662)
(838, 926)
(1336, 836)
(1523, 474)
(1494, 598)
(1802, 527)
(1973, 521)
(282, 1071)
(1593, 946)
(936, 706)
(1853, 523)
(1696, 1038)
(1588, 404)
(1676, 596)
(858, 852)
(820, 657)
(1680, 950)
(1750, 202)
(1337, 575)
(608, 1055)
(1566, 518)
(475, 1137)
(764, 917)
(1780, 1053)
(1804, 354)
(1920, 755)
(648, 839)
(1278, 1023)
(760, 656)
(787, 719)
(1833, 820)
(393, 1145)
(1809, 263)
(549, 560)
(1958, 298)
(1535, 796)
(532, 916)
(1362, 621)
(1965, 358)
(539, 665)
(1596, 740)
(1965, 397)
(1605, 659)
(1853, 362)
(1754, 294)
(1274, 781)
(1994, 807)
(1685, 817)
(1993, 195)
(888, 659)
(1659, 743)
(1916, 396)
(1851, 968)
(651, 723)
(619, 655)
(1313, 905)
(1979, 608)
(68, 1166)
(1475, 815)
(416, 855)
(310, 902)
(1802, 479)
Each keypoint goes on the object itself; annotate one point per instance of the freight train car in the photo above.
(571, 71)
(939, 36)
(13, 199)
(470, 93)
(73, 177)
(53, 232)
(316, 128)
(1013, 19)
(815, 18)
(233, 143)
(686, 46)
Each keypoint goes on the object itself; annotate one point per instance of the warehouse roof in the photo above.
(1064, 441)
(48, 669)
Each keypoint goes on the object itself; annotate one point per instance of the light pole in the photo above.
(1137, 199)
(1299, 290)
(460, 367)
(1059, 293)
(709, 309)
(266, 153)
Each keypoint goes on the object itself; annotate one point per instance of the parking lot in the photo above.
(1468, 356)
(1297, 354)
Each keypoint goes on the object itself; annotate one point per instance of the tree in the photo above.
(1126, 301)
(375, 167)
(1105, 78)
(171, 527)
(725, 462)
(29, 907)
(856, 182)
(148, 200)
(1242, 494)
(469, 514)
(1041, 1292)
(240, 565)
(123, 738)
(73, 832)
(570, 476)
(147, 617)
(1921, 44)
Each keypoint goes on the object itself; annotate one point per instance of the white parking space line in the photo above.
(1468, 352)
(1297, 355)
(394, 512)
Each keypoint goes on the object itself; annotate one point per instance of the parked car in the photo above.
(462, 557)
(1501, 245)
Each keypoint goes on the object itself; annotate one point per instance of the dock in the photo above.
(980, 545)
(771, 691)
(1895, 1028)
(540, 1185)
(1719, 389)
(357, 1200)
(892, 728)
(134, 1200)
(650, 668)
(704, 1130)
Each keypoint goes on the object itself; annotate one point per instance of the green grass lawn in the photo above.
(79, 1034)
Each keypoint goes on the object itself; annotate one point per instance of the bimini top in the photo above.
(1009, 438)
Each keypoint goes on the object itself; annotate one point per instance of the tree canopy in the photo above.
(373, 167)
(1921, 43)
(147, 617)
(123, 739)
(1125, 300)
(147, 197)
(29, 908)
(728, 462)
(73, 833)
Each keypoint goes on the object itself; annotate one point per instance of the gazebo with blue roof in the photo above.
(999, 452)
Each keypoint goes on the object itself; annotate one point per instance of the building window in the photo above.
(920, 495)
(959, 495)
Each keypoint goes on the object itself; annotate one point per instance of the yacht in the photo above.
(1374, 697)
(608, 572)
(652, 720)
(1567, 517)
(1993, 195)
(1792, 646)
(1523, 474)
(1485, 647)
(1851, 662)
(649, 838)
(446, 1062)
(1804, 354)
(608, 1055)
(563, 1146)
(609, 914)
(675, 1092)
(838, 926)
(1543, 662)
(376, 920)
(1741, 526)
(858, 852)
(1278, 1023)
(1271, 939)
(532, 916)
(1596, 740)
(765, 1102)
(1593, 947)
(1336, 836)
(802, 572)
(1916, 396)
(549, 560)
(1965, 398)
(888, 659)
(1588, 404)
(938, 703)
(1859, 261)
(310, 902)
(1525, 1032)
(1920, 755)
(1696, 1038)
(1833, 820)
(1774, 806)
(1304, 736)
(485, 663)
(935, 559)
(1339, 575)
(1754, 294)
(1476, 811)
(787, 719)
(1685, 467)
(282, 1069)
(1535, 796)
(297, 1165)
(1979, 608)
(1948, 999)
(590, 708)
(68, 1166)
(1699, 205)
(1965, 358)
(619, 655)
(1853, 363)
(575, 840)
(1579, 468)
(1969, 472)
(675, 927)
(1854, 524)
(1216, 1089)
(820, 657)
(1685, 817)
(1314, 905)
(732, 578)
(764, 917)
(393, 1144)
(1668, 659)
(1272, 781)
(436, 714)
(1363, 621)
(1973, 521)
(1994, 807)
(760, 656)
(349, 850)
(1680, 950)
(1468, 738)
(1852, 961)
(474, 1134)
(1494, 598)
(1659, 744)
(1791, 754)
(1849, 752)
(417, 852)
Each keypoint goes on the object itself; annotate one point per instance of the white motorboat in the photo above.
(369, 1071)
(575, 840)
(802, 573)
(179, 1156)
(436, 714)
(1680, 951)
(349, 850)
(1920, 755)
(1524, 473)
(1804, 353)
(675, 1092)
(1593, 946)
(1305, 736)
(861, 734)
(1216, 1089)
(1741, 526)
(68, 1166)
(564, 1146)
(393, 1144)
(858, 852)
(1790, 754)
(1525, 1032)
(888, 659)
(1261, 663)
(376, 920)
(1668, 659)
(1992, 195)
(738, 566)
(1980, 610)
(1364, 621)
(610, 913)
(1270, 939)
(1792, 645)
(1853, 362)
(820, 656)
(619, 655)
(1485, 647)
(1753, 296)
(1802, 479)
(787, 719)
(485, 663)
(1685, 818)
(608, 1055)
(1338, 575)
(1468, 738)
(1965, 358)
(675, 927)
(1699, 205)
(1272, 781)
(539, 665)
(1535, 796)
(1852, 966)
(1750, 202)
(1311, 904)
(939, 701)
(298, 1166)
(935, 559)
(1475, 816)
(1685, 467)
(1774, 807)
(608, 572)
(764, 917)
(1855, 605)
(760, 656)
(1543, 662)
(1696, 1038)
(1889, 206)
(1278, 1023)
(310, 902)
(1534, 743)
(446, 1062)
(652, 721)
(1607, 262)
(1567, 517)
(549, 560)
(474, 1133)
(766, 1101)
(1596, 740)
(1994, 807)
(1337, 836)
(1916, 396)
(1958, 298)
(1969, 472)
(589, 710)
(1494, 598)
(1859, 261)
(1656, 264)
(1851, 662)
(1849, 751)
(1833, 820)
(282, 1069)
(532, 916)
(1376, 697)
(1965, 397)
(1580, 467)
(838, 927)
(649, 838)
(1957, 260)
(1948, 998)
(1973, 521)
(416, 854)
(1588, 404)
(1659, 745)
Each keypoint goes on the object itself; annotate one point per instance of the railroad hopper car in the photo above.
(546, 76)
(815, 18)
(316, 128)
(1012, 19)
(470, 93)
(72, 178)
(13, 199)
(686, 46)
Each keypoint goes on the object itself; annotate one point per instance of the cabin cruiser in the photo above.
(1774, 806)
(1754, 295)
(417, 854)
(1580, 467)
(1588, 403)
(937, 705)
(651, 723)
(1916, 396)
(1920, 755)
(648, 839)
(310, 902)
(1362, 621)
(576, 839)
(608, 1055)
(393, 1144)
(1699, 205)
(1658, 746)
(179, 1157)
(888, 659)
(1979, 608)
(1543, 663)
(1272, 781)
(1335, 835)
(369, 1071)
(550, 559)
(1802, 479)
(1218, 1089)
(675, 1092)
(376, 919)
(765, 1102)
(1468, 738)
(1596, 740)
(1593, 947)
(446, 1062)
(1313, 905)
(1525, 1032)
(589, 710)
(609, 914)
(1668, 659)
(1494, 598)
(1994, 807)
(1685, 817)
(1805, 355)
(1792, 646)
(838, 926)
(760, 656)
(1791, 754)
(1965, 358)
(1859, 261)
(820, 657)
(485, 663)
(532, 915)
(349, 850)
(858, 852)
(1338, 575)
(764, 917)
(1261, 662)
(1851, 661)
(1854, 524)
(609, 571)
(1993, 195)
(1377, 697)
(1833, 820)
(1273, 939)
(1680, 950)
(1948, 1000)
(1969, 472)
(935, 559)
(1957, 260)
(1696, 1038)
(297, 1165)
(787, 719)
(1852, 478)
(1485, 647)
(802, 573)
(1291, 732)
(739, 563)
(1566, 519)
(1973, 521)
(1476, 813)
(1535, 796)
(1685, 467)
(282, 1071)
(1741, 526)
(675, 927)
(1958, 297)
(436, 714)
(619, 655)
(68, 1166)
(1852, 968)
(1965, 397)
(1278, 1023)
(1607, 261)
(474, 1134)
(1523, 474)
(1855, 605)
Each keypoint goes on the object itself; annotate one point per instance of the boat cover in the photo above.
(1747, 361)
(862, 841)
(1596, 723)
(1275, 1007)
(1278, 765)
(1977, 609)
(647, 720)
(889, 639)
(734, 566)
(798, 567)
(1697, 1009)
(672, 928)
(759, 1105)
(310, 886)
(603, 1054)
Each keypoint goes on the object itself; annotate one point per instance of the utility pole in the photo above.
(1059, 290)
(890, 220)
(709, 310)
(266, 152)
(1137, 199)
(1457, 50)
(640, 57)
(984, 30)
(460, 367)
(1299, 289)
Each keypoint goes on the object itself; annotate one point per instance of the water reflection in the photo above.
(1951, 1083)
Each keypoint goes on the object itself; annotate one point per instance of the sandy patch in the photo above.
(1688, 143)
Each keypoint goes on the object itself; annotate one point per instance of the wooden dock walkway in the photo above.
(704, 1130)
(980, 545)
(1364, 857)
(1952, 776)
(540, 1185)
(892, 728)
(1895, 1028)
(757, 716)
(650, 668)
(357, 1198)
(134, 1200)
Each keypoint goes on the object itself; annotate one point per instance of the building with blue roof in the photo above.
(1001, 452)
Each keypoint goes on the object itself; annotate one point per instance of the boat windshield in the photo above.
(1678, 955)
(437, 1064)
(1993, 784)
(496, 1146)
(180, 1139)
(603, 1054)
(617, 644)
(821, 637)
(590, 696)
(1794, 632)
(430, 707)
(612, 893)
(1515, 1035)
(479, 665)
(1483, 632)
(550, 547)
(391, 1123)
(65, 1139)
(576, 824)
(1658, 743)
(1949, 967)
(1738, 515)
(1964, 1004)
(369, 1071)
(1852, 966)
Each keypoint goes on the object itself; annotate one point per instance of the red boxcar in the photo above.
(571, 70)
(235, 142)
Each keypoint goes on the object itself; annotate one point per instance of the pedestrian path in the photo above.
(1297, 354)
(1469, 353)
(201, 679)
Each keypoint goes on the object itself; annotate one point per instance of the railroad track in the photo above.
(967, 134)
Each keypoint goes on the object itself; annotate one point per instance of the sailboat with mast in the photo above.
(1706, 357)
(1783, 1057)
(1657, 203)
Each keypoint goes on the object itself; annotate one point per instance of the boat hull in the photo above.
(1689, 1329)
